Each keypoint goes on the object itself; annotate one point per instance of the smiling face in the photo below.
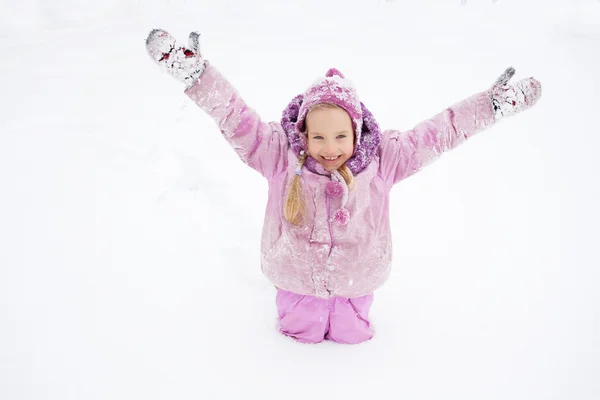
(330, 136)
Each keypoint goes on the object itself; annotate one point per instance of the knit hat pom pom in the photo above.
(334, 189)
(333, 71)
(341, 217)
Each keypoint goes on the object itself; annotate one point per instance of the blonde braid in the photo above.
(294, 203)
(347, 175)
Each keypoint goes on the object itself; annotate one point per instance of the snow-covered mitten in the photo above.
(184, 64)
(511, 99)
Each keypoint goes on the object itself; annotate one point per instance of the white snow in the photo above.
(130, 231)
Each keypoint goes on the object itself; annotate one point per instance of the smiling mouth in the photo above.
(331, 159)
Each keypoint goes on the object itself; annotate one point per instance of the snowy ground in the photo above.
(129, 230)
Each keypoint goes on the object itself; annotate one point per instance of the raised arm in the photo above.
(404, 153)
(263, 146)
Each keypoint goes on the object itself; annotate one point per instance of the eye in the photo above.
(317, 137)
(341, 136)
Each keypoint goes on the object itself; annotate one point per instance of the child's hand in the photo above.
(511, 99)
(184, 64)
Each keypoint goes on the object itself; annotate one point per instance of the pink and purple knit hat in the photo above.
(333, 88)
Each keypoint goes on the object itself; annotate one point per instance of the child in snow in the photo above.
(326, 241)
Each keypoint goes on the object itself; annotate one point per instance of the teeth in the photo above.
(331, 158)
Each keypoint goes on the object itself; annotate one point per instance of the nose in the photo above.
(329, 148)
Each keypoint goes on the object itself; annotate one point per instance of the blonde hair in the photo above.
(294, 203)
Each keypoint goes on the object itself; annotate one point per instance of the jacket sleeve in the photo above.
(404, 153)
(263, 146)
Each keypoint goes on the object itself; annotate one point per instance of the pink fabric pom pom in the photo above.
(334, 189)
(341, 217)
(332, 72)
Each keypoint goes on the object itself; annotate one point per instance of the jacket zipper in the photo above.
(330, 239)
(329, 225)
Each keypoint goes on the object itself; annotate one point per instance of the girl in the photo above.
(326, 241)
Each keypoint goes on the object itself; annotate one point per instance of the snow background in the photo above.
(130, 231)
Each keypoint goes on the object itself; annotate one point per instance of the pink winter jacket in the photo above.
(319, 258)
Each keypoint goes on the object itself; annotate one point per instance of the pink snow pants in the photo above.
(310, 319)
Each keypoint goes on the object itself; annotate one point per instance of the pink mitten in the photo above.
(511, 99)
(184, 64)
